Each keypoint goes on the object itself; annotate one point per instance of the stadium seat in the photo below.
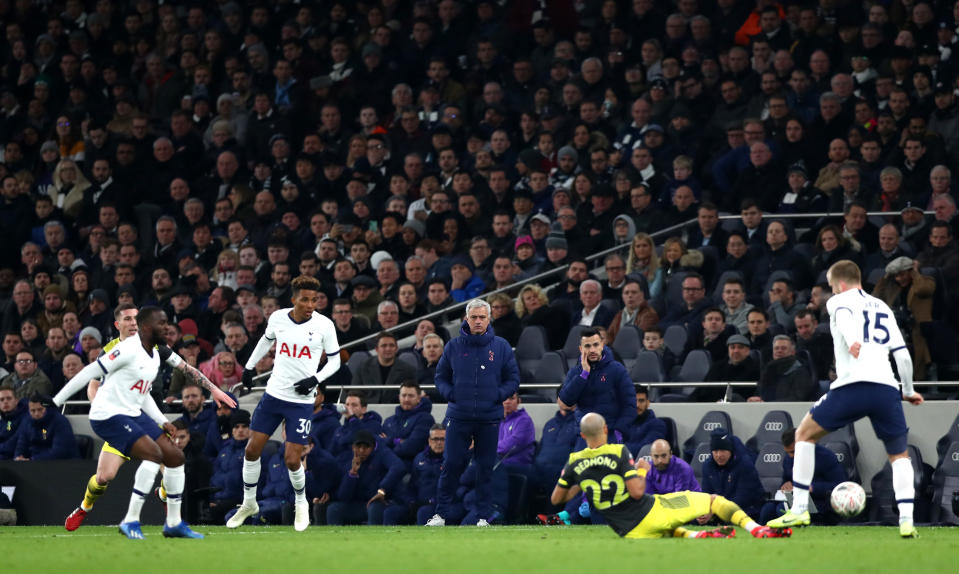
(769, 465)
(945, 482)
(644, 452)
(517, 501)
(674, 289)
(410, 359)
(710, 421)
(629, 344)
(951, 436)
(453, 331)
(550, 371)
(699, 455)
(883, 508)
(770, 430)
(675, 339)
(845, 457)
(847, 434)
(672, 434)
(571, 347)
(648, 368)
(718, 291)
(613, 305)
(84, 445)
(529, 350)
(695, 367)
(356, 360)
(806, 250)
(874, 276)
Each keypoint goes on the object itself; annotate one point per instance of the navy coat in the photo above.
(737, 481)
(644, 430)
(425, 476)
(476, 374)
(382, 470)
(9, 424)
(607, 390)
(560, 434)
(325, 423)
(343, 437)
(50, 438)
(407, 432)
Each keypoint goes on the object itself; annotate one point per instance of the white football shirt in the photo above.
(875, 326)
(129, 373)
(299, 347)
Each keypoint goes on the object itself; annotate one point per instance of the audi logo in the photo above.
(711, 426)
(772, 457)
(647, 458)
(955, 456)
(703, 457)
(841, 457)
(773, 426)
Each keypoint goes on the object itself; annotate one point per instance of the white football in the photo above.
(848, 499)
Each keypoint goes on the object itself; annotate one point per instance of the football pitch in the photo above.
(522, 549)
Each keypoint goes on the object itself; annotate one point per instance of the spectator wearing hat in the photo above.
(181, 304)
(915, 228)
(364, 296)
(910, 295)
(228, 468)
(944, 120)
(464, 283)
(730, 472)
(46, 434)
(738, 366)
(527, 262)
(370, 477)
(54, 306)
(98, 314)
(802, 196)
(604, 211)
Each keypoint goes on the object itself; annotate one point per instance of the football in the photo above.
(848, 499)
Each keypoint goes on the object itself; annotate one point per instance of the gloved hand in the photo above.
(305, 386)
(248, 375)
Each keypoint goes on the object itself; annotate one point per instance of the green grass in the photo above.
(521, 549)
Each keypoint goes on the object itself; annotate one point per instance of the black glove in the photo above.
(248, 375)
(305, 386)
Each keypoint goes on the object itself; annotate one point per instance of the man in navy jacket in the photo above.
(731, 472)
(645, 428)
(357, 418)
(560, 434)
(46, 434)
(407, 431)
(12, 415)
(370, 475)
(599, 384)
(829, 473)
(476, 373)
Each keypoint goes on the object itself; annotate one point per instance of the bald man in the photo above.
(617, 488)
(669, 473)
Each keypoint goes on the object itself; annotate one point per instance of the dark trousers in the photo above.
(459, 435)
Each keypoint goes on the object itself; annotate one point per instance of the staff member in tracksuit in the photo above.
(476, 373)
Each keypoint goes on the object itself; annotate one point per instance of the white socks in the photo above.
(142, 484)
(904, 487)
(173, 480)
(251, 477)
(298, 479)
(804, 467)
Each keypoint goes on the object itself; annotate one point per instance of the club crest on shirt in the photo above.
(491, 356)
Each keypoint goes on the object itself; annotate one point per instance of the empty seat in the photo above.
(770, 430)
(675, 339)
(410, 359)
(769, 465)
(628, 343)
(550, 371)
(571, 347)
(356, 360)
(695, 367)
(945, 481)
(883, 508)
(644, 452)
(845, 457)
(699, 455)
(672, 434)
(951, 436)
(529, 350)
(710, 421)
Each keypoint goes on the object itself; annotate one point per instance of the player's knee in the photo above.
(292, 461)
(153, 453)
(106, 476)
(174, 458)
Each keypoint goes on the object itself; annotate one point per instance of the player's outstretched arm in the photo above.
(91, 371)
(194, 374)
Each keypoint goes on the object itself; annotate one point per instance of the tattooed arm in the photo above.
(191, 373)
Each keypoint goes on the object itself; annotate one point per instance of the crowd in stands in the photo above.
(414, 154)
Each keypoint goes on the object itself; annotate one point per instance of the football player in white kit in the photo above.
(301, 336)
(124, 414)
(864, 332)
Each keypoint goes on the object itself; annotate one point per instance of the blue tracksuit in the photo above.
(475, 374)
(325, 423)
(738, 481)
(343, 437)
(228, 471)
(407, 432)
(382, 470)
(424, 479)
(50, 438)
(9, 424)
(606, 390)
(201, 423)
(644, 429)
(560, 434)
